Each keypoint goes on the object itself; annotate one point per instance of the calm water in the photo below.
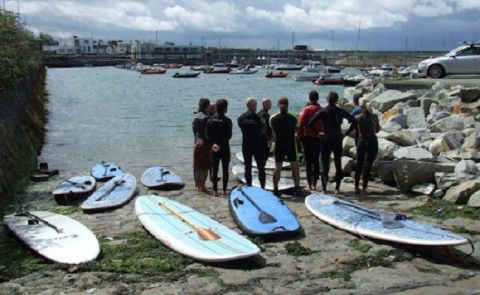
(138, 121)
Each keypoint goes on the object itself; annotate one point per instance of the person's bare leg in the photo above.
(276, 176)
(295, 173)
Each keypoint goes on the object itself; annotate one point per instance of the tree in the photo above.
(113, 43)
(47, 39)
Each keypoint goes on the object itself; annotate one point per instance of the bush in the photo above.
(19, 52)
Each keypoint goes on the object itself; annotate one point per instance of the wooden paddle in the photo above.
(205, 234)
(264, 217)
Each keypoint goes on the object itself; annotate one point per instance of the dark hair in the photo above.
(313, 96)
(203, 104)
(221, 105)
(332, 97)
(356, 98)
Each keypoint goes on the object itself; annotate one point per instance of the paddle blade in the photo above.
(264, 217)
(207, 234)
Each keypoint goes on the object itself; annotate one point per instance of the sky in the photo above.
(268, 24)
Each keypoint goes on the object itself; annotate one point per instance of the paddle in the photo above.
(116, 183)
(77, 184)
(264, 217)
(39, 219)
(205, 234)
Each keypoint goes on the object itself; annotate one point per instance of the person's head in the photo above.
(283, 104)
(313, 96)
(356, 98)
(364, 104)
(212, 109)
(266, 104)
(203, 105)
(332, 98)
(222, 106)
(251, 104)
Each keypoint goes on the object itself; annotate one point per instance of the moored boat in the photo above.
(186, 75)
(154, 71)
(244, 71)
(329, 80)
(281, 74)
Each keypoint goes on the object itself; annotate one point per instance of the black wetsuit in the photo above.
(198, 126)
(284, 127)
(219, 132)
(367, 146)
(252, 125)
(267, 133)
(332, 117)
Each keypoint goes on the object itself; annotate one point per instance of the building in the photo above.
(166, 52)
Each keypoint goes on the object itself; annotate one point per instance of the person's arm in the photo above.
(229, 129)
(318, 116)
(351, 120)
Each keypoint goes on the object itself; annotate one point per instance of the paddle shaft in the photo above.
(250, 199)
(117, 183)
(29, 214)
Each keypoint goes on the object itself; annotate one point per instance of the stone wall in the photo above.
(22, 130)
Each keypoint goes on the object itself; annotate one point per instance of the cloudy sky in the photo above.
(322, 24)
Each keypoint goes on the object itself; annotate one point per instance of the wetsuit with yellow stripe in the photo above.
(284, 127)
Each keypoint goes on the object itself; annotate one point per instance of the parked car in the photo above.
(461, 60)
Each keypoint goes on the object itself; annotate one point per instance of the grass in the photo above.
(296, 249)
(66, 210)
(444, 210)
(363, 248)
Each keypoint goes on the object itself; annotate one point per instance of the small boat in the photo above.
(244, 71)
(154, 71)
(186, 75)
(288, 67)
(199, 68)
(349, 80)
(329, 80)
(281, 74)
(218, 71)
(174, 66)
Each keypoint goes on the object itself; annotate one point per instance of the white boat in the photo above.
(288, 67)
(244, 71)
(310, 72)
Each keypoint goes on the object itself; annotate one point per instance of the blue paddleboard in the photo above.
(260, 212)
(104, 171)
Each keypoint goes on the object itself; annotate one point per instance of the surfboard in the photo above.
(160, 177)
(114, 193)
(269, 165)
(283, 183)
(53, 236)
(260, 212)
(106, 170)
(378, 225)
(75, 185)
(191, 233)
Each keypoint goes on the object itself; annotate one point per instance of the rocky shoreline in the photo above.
(428, 150)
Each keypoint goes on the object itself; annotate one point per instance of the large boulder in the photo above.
(436, 115)
(391, 127)
(444, 143)
(384, 170)
(347, 165)
(466, 154)
(472, 141)
(460, 194)
(348, 143)
(350, 92)
(378, 90)
(449, 123)
(474, 200)
(400, 119)
(425, 103)
(386, 149)
(415, 117)
(466, 168)
(389, 98)
(403, 137)
(445, 180)
(413, 153)
(470, 94)
(407, 173)
(424, 188)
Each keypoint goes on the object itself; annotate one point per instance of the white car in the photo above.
(462, 60)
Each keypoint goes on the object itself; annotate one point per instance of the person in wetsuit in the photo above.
(253, 128)
(367, 146)
(267, 134)
(332, 117)
(284, 126)
(201, 148)
(218, 133)
(310, 139)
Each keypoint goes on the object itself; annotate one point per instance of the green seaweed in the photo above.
(296, 249)
(428, 269)
(66, 210)
(444, 210)
(361, 247)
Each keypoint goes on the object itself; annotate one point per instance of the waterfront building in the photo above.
(167, 52)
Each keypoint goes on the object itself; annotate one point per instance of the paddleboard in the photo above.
(191, 233)
(114, 193)
(56, 237)
(270, 165)
(160, 177)
(105, 170)
(260, 212)
(75, 185)
(283, 183)
(372, 224)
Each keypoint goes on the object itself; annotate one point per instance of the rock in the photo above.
(425, 103)
(446, 180)
(438, 193)
(366, 83)
(350, 92)
(377, 91)
(437, 116)
(472, 141)
(400, 119)
(403, 137)
(466, 168)
(474, 200)
(347, 165)
(468, 94)
(386, 149)
(424, 189)
(438, 86)
(391, 127)
(389, 98)
(384, 170)
(446, 142)
(449, 123)
(390, 113)
(467, 154)
(407, 173)
(416, 118)
(348, 143)
(412, 153)
(460, 194)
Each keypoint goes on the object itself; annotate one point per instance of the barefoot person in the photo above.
(310, 139)
(332, 117)
(201, 148)
(252, 127)
(267, 133)
(367, 146)
(219, 132)
(284, 126)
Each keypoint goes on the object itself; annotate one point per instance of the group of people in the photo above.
(317, 131)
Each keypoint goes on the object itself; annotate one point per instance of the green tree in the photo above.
(46, 39)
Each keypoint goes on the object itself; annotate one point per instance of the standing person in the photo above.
(332, 117)
(201, 148)
(284, 126)
(310, 139)
(267, 133)
(252, 125)
(367, 146)
(218, 133)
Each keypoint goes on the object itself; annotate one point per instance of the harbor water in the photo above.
(137, 121)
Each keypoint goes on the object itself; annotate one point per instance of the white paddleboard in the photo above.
(283, 183)
(270, 165)
(114, 193)
(182, 235)
(369, 223)
(105, 170)
(160, 177)
(76, 185)
(56, 237)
